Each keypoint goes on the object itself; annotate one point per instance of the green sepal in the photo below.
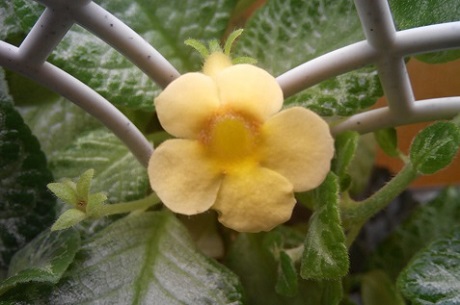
(84, 184)
(68, 219)
(325, 255)
(435, 147)
(65, 192)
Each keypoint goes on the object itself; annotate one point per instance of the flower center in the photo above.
(231, 138)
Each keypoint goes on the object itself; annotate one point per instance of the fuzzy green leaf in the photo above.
(117, 172)
(416, 13)
(387, 139)
(435, 147)
(427, 223)
(284, 34)
(433, 275)
(26, 206)
(144, 259)
(325, 255)
(44, 259)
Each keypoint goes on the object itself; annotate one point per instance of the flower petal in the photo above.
(254, 199)
(299, 146)
(182, 177)
(186, 103)
(250, 89)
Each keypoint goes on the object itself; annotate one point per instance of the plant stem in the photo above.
(126, 207)
(355, 213)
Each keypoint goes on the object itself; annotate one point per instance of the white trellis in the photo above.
(384, 47)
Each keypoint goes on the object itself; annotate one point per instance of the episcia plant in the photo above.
(247, 197)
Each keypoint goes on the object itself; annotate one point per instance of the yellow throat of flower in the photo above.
(231, 139)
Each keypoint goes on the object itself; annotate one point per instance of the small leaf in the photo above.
(44, 259)
(84, 184)
(143, 259)
(378, 289)
(118, 173)
(387, 139)
(65, 192)
(432, 277)
(325, 255)
(26, 206)
(345, 147)
(435, 147)
(68, 219)
(287, 283)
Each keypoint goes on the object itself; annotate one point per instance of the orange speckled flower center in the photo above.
(231, 138)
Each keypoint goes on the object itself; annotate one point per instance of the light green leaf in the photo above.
(416, 13)
(26, 206)
(44, 259)
(284, 34)
(435, 147)
(68, 219)
(144, 259)
(378, 289)
(117, 172)
(433, 275)
(387, 139)
(325, 255)
(429, 222)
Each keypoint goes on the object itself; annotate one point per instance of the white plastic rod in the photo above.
(74, 90)
(423, 110)
(45, 35)
(379, 29)
(435, 37)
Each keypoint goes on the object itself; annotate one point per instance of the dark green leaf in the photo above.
(44, 259)
(429, 222)
(26, 206)
(252, 258)
(378, 289)
(387, 139)
(284, 34)
(117, 171)
(287, 283)
(345, 147)
(433, 275)
(144, 259)
(435, 147)
(416, 13)
(325, 255)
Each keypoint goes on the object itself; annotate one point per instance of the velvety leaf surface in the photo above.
(284, 34)
(117, 171)
(44, 259)
(145, 259)
(431, 221)
(26, 207)
(433, 275)
(325, 255)
(435, 147)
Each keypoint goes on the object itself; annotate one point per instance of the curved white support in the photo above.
(83, 96)
(422, 110)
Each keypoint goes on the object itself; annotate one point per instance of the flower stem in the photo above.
(355, 213)
(126, 207)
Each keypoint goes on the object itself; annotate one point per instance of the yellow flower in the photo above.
(237, 153)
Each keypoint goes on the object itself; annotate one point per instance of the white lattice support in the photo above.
(89, 100)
